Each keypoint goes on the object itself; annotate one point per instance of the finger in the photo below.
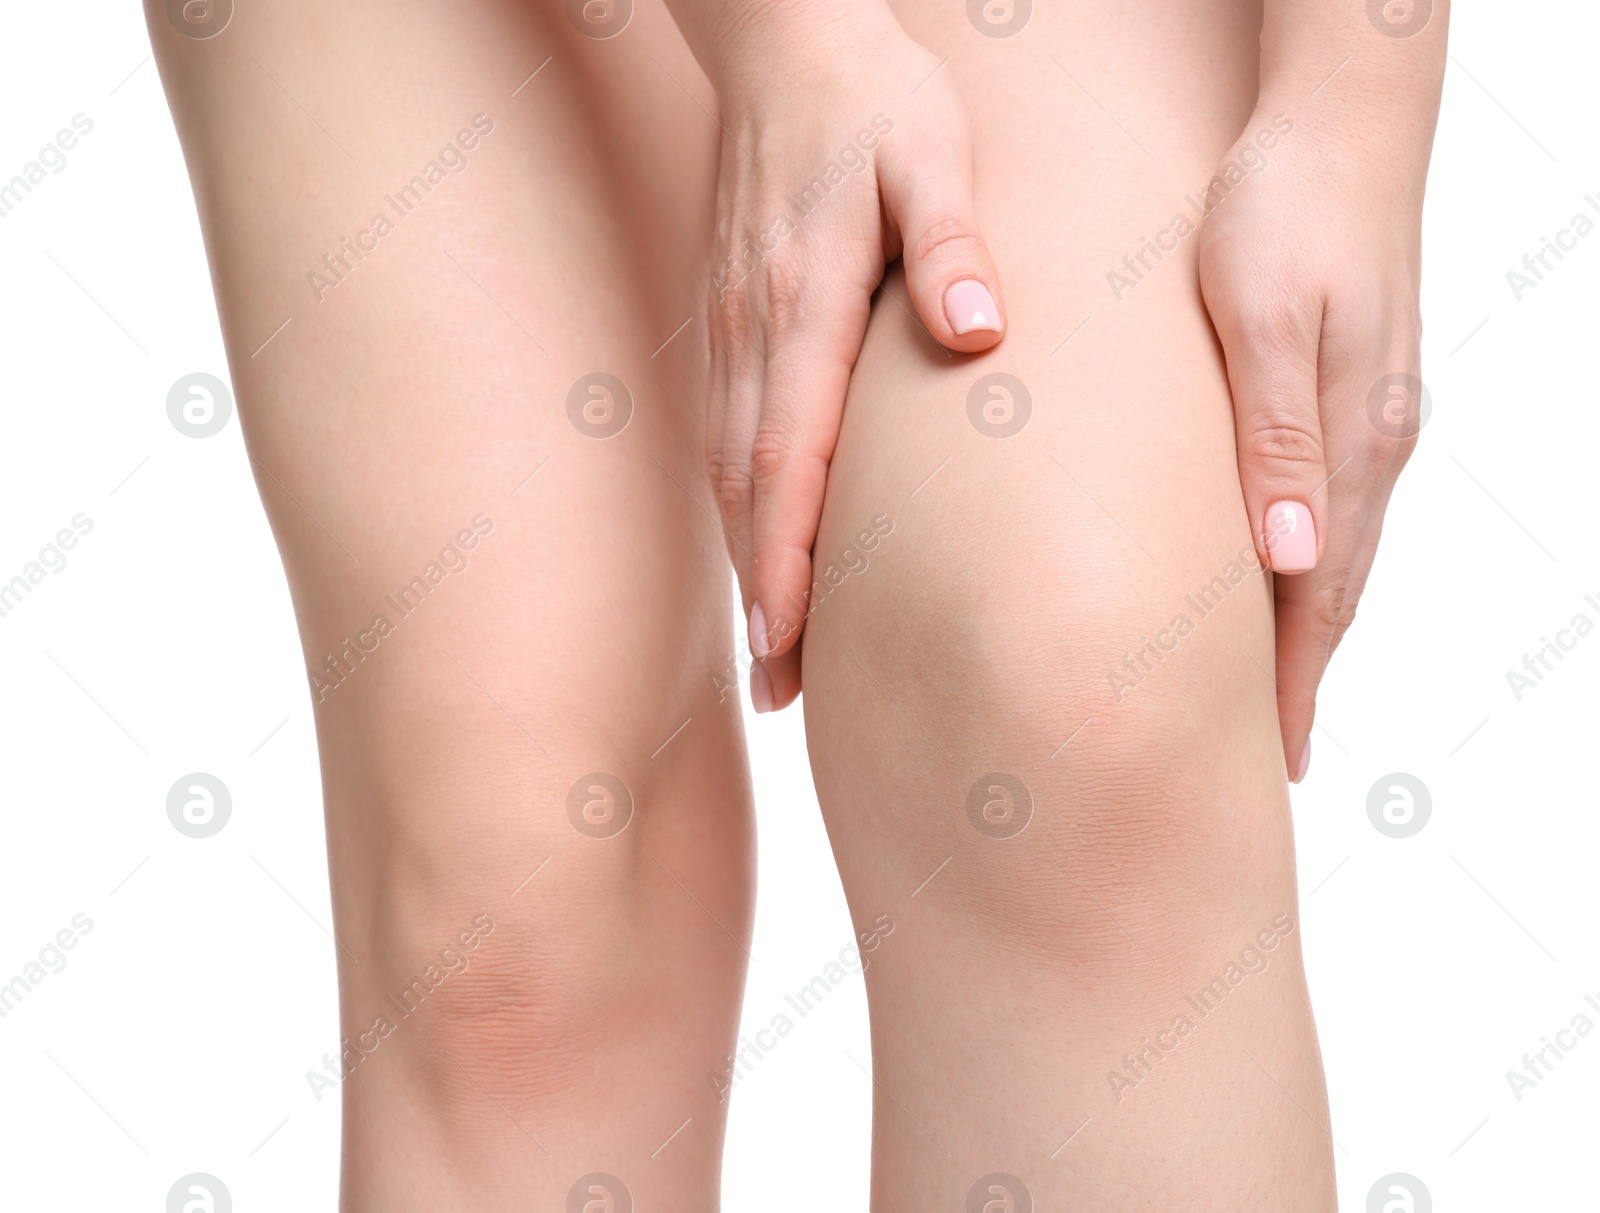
(730, 428)
(1315, 611)
(927, 195)
(717, 397)
(731, 436)
(738, 370)
(775, 682)
(1272, 355)
(813, 348)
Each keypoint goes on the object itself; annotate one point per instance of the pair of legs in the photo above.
(506, 614)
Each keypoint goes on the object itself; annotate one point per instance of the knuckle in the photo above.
(1401, 451)
(1328, 605)
(1340, 628)
(772, 452)
(735, 490)
(716, 466)
(1379, 454)
(738, 318)
(786, 289)
(1382, 455)
(1268, 321)
(948, 234)
(1286, 444)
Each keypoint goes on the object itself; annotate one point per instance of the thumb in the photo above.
(1272, 369)
(927, 194)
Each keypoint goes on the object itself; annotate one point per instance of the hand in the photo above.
(1309, 268)
(845, 148)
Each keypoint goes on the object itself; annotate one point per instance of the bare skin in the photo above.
(1008, 610)
(419, 394)
(989, 636)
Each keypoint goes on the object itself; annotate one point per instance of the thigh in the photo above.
(449, 252)
(455, 247)
(1038, 673)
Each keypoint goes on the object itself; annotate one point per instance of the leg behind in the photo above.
(510, 596)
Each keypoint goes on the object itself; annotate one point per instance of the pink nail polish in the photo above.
(760, 689)
(760, 646)
(1305, 763)
(968, 305)
(1291, 537)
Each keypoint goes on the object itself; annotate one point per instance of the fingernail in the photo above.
(1291, 537)
(1305, 762)
(968, 305)
(760, 689)
(759, 645)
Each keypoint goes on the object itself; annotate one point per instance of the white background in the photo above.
(178, 1036)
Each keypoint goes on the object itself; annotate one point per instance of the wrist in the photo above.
(759, 48)
(1354, 85)
(1363, 149)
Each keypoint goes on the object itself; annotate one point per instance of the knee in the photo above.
(511, 955)
(1099, 759)
(505, 1006)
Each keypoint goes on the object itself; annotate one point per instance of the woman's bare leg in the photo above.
(528, 996)
(1037, 676)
